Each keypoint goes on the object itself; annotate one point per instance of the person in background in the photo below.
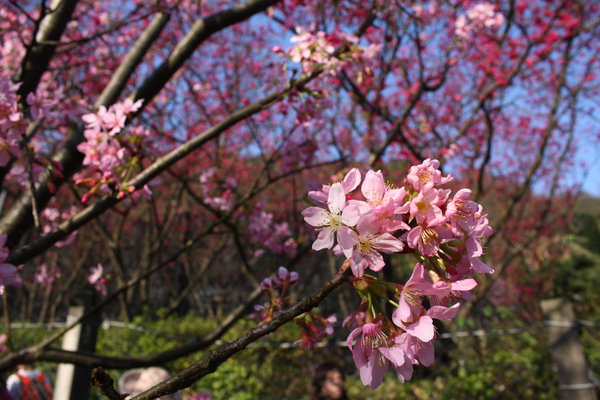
(328, 382)
(4, 395)
(136, 381)
(29, 383)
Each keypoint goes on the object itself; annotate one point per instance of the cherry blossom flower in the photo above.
(97, 279)
(374, 352)
(427, 174)
(329, 221)
(411, 293)
(45, 275)
(8, 146)
(350, 182)
(478, 17)
(444, 292)
(363, 248)
(285, 279)
(384, 201)
(461, 211)
(425, 207)
(427, 238)
(422, 327)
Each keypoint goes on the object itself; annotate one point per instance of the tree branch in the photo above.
(214, 358)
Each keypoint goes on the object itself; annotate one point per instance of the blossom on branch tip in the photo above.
(446, 236)
(285, 279)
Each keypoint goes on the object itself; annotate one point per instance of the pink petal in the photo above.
(351, 180)
(337, 198)
(324, 240)
(347, 239)
(316, 216)
(358, 264)
(388, 243)
(443, 313)
(351, 215)
(395, 354)
(426, 353)
(423, 329)
(373, 187)
(375, 260)
(481, 267)
(464, 284)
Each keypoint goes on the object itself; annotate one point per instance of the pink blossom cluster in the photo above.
(46, 275)
(8, 272)
(217, 195)
(314, 328)
(313, 50)
(102, 148)
(445, 235)
(276, 288)
(480, 16)
(106, 149)
(97, 279)
(277, 237)
(52, 217)
(12, 124)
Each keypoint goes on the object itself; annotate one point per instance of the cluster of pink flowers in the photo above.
(480, 16)
(8, 272)
(52, 217)
(444, 234)
(97, 279)
(277, 237)
(314, 50)
(102, 149)
(46, 275)
(313, 327)
(276, 288)
(106, 150)
(12, 124)
(217, 193)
